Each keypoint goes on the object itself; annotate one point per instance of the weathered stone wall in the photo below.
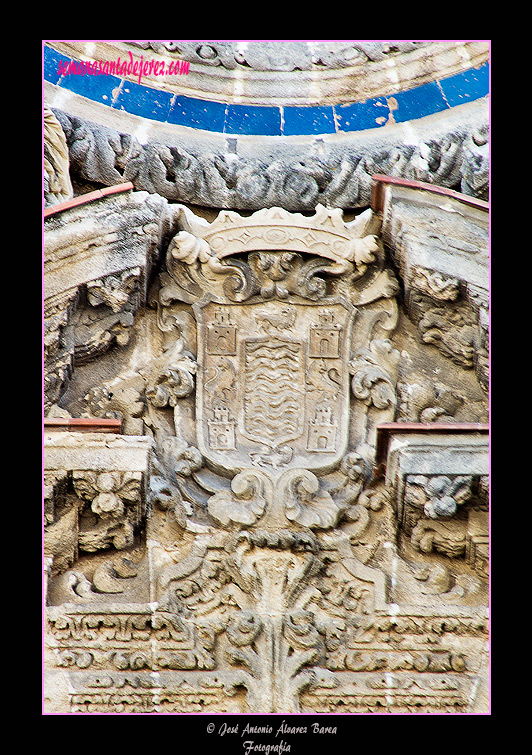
(256, 547)
(265, 448)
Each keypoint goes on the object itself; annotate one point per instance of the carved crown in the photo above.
(325, 233)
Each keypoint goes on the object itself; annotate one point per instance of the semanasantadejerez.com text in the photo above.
(125, 67)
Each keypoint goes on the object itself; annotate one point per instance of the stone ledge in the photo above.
(382, 182)
(91, 450)
(386, 432)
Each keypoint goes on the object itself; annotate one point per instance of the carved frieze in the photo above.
(214, 170)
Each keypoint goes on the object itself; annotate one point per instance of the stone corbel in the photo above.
(99, 249)
(109, 318)
(95, 491)
(439, 240)
(438, 477)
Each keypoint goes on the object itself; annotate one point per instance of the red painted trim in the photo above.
(83, 424)
(381, 181)
(87, 198)
(431, 427)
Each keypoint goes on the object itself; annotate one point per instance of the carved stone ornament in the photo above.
(442, 253)
(264, 579)
(215, 170)
(57, 184)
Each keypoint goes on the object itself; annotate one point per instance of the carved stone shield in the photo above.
(273, 384)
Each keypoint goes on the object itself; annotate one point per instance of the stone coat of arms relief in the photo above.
(266, 579)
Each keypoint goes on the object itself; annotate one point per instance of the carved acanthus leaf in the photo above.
(114, 290)
(307, 503)
(439, 495)
(434, 284)
(247, 501)
(116, 500)
(373, 373)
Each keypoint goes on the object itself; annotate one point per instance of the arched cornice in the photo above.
(313, 99)
(426, 119)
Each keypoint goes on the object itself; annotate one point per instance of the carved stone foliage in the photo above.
(84, 329)
(451, 328)
(265, 581)
(447, 514)
(57, 183)
(298, 178)
(475, 173)
(424, 400)
(443, 263)
(109, 494)
(97, 263)
(58, 345)
(440, 490)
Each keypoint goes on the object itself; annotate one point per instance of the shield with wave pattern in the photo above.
(273, 383)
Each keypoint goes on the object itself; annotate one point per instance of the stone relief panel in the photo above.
(269, 568)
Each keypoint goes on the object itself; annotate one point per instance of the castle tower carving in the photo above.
(221, 334)
(221, 429)
(322, 430)
(324, 337)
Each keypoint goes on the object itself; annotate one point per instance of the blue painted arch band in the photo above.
(262, 120)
